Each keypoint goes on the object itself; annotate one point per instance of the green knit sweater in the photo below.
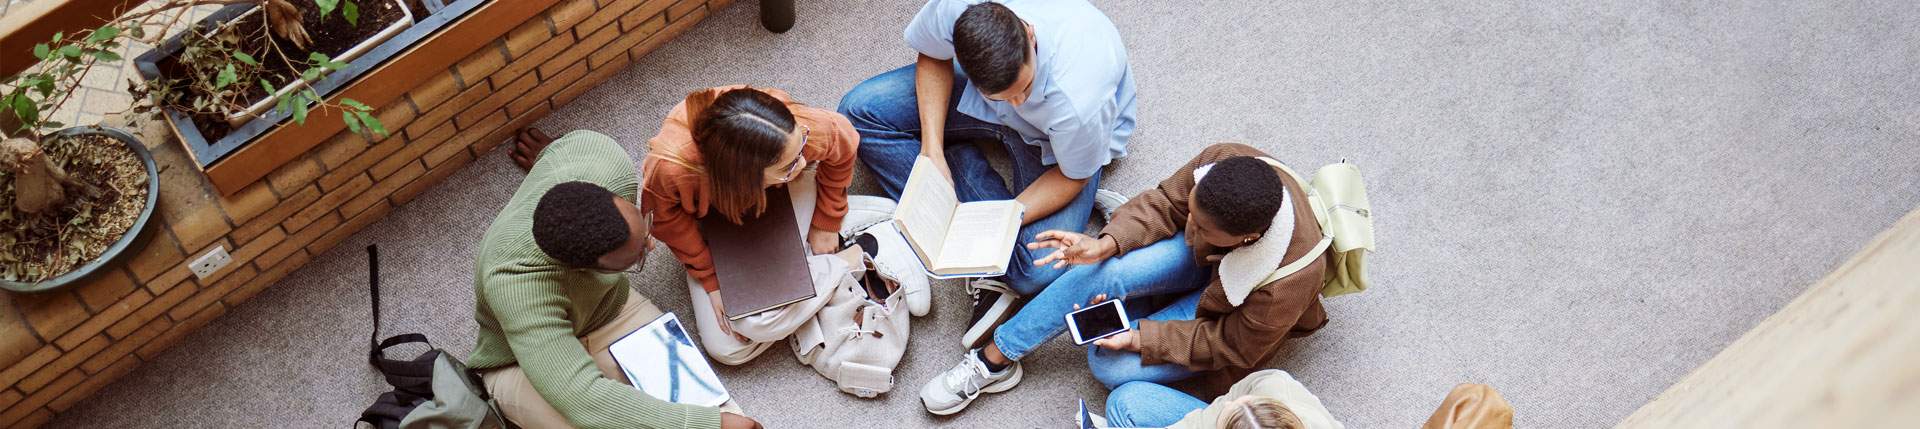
(532, 310)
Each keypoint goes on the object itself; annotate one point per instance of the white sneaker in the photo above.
(953, 390)
(1106, 201)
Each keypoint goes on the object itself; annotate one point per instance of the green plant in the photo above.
(222, 78)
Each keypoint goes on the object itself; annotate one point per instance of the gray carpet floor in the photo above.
(1578, 201)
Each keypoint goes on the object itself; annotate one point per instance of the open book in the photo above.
(954, 239)
(660, 360)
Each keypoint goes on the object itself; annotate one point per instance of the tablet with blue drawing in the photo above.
(661, 360)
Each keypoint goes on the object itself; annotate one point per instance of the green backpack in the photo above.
(433, 390)
(1338, 196)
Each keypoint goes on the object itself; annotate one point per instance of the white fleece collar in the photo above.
(1243, 268)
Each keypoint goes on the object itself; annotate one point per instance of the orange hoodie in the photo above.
(676, 187)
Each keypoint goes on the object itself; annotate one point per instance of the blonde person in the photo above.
(1269, 399)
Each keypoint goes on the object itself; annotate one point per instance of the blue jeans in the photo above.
(886, 113)
(1143, 404)
(1163, 268)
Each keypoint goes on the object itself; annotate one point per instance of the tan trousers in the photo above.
(525, 408)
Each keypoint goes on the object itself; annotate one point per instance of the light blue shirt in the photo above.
(1080, 112)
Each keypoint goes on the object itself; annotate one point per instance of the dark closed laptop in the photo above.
(762, 264)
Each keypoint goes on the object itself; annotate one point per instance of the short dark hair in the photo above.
(991, 44)
(1241, 193)
(740, 134)
(577, 222)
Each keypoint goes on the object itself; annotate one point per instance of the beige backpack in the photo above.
(855, 340)
(1338, 196)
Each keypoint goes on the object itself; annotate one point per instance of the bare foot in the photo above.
(527, 145)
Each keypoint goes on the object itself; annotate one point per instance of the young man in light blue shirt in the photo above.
(1047, 80)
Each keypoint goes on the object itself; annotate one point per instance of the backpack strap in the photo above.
(373, 285)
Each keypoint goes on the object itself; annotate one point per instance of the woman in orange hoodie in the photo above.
(717, 154)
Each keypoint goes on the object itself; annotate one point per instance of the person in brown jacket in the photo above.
(1205, 237)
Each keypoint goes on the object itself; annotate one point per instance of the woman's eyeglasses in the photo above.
(799, 159)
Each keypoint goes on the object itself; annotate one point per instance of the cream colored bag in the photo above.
(855, 341)
(1338, 196)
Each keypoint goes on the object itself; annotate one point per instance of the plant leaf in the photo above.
(226, 77)
(326, 6)
(353, 123)
(372, 122)
(300, 112)
(351, 12)
(106, 56)
(268, 86)
(356, 104)
(103, 34)
(24, 109)
(41, 51)
(70, 51)
(246, 59)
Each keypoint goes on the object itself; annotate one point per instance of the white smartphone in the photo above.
(1099, 321)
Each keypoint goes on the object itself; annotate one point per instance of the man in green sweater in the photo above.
(550, 293)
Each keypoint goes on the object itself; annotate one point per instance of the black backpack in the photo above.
(432, 390)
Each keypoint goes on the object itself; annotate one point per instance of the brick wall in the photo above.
(58, 348)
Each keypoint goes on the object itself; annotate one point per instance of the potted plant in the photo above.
(72, 199)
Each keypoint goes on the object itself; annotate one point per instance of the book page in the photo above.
(926, 207)
(980, 236)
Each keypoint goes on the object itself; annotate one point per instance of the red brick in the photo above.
(265, 279)
(340, 149)
(570, 12)
(298, 241)
(393, 117)
(28, 412)
(33, 362)
(431, 118)
(174, 277)
(9, 397)
(34, 417)
(646, 12)
(532, 59)
(201, 224)
(434, 91)
(51, 313)
(618, 48)
(538, 96)
(290, 177)
(17, 340)
(91, 385)
(212, 293)
(588, 44)
(122, 348)
(481, 63)
(612, 10)
(486, 107)
(34, 383)
(484, 144)
(249, 252)
(680, 10)
(248, 202)
(591, 81)
(103, 289)
(439, 173)
(147, 313)
(674, 28)
(159, 253)
(325, 205)
(375, 212)
(107, 317)
(378, 194)
(524, 38)
(180, 330)
(358, 165)
(268, 221)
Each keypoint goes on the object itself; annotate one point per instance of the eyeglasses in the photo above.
(646, 218)
(799, 159)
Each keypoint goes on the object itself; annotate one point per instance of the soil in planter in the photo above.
(331, 36)
(35, 247)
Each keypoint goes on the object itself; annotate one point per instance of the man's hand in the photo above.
(736, 421)
(823, 241)
(1118, 342)
(1075, 248)
(940, 160)
(720, 315)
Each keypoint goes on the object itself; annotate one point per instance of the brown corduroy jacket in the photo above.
(1231, 341)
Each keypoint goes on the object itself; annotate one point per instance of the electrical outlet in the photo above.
(211, 262)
